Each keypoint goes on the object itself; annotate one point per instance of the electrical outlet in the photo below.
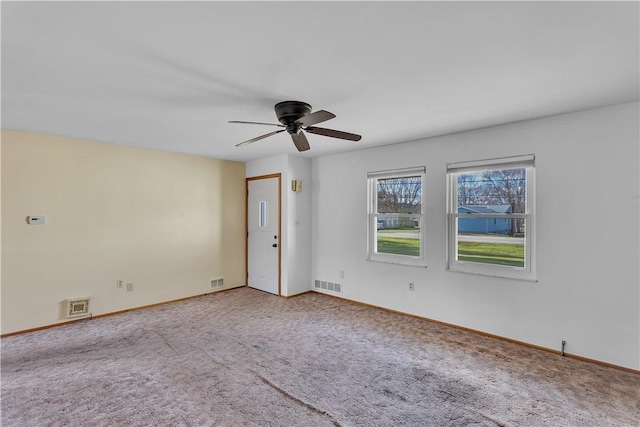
(412, 286)
(119, 284)
(129, 287)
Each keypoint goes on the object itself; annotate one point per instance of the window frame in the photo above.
(373, 215)
(528, 272)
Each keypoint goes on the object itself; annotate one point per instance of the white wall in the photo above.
(299, 226)
(295, 240)
(587, 177)
(166, 222)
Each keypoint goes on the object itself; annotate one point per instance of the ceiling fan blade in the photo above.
(334, 133)
(258, 138)
(256, 123)
(301, 142)
(314, 118)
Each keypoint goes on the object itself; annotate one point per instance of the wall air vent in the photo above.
(75, 307)
(217, 283)
(327, 286)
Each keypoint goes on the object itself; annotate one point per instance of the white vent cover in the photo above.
(217, 283)
(329, 286)
(77, 307)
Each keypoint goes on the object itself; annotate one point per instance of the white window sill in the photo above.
(522, 278)
(406, 264)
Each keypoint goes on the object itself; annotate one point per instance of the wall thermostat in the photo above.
(37, 219)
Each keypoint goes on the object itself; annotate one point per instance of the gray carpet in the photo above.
(243, 357)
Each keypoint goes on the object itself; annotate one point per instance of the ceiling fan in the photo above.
(295, 117)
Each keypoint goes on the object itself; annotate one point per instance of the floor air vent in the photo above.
(77, 307)
(328, 286)
(217, 283)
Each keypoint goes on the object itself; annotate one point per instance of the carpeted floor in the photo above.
(243, 357)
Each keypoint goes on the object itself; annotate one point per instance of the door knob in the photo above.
(275, 245)
(275, 237)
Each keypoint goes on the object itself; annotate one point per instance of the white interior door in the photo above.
(263, 240)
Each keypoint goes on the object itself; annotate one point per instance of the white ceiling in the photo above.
(170, 75)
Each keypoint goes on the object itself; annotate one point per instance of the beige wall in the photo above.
(166, 222)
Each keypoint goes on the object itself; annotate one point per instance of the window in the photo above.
(396, 216)
(491, 220)
(262, 214)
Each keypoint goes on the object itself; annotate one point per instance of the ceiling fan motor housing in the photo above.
(288, 112)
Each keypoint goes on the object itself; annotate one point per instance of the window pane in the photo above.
(399, 195)
(398, 236)
(492, 191)
(262, 215)
(496, 248)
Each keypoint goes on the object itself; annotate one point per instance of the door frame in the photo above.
(246, 225)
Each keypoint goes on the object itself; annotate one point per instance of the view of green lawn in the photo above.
(481, 252)
(398, 245)
(492, 253)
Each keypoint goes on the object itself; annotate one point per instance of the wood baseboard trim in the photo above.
(486, 334)
(296, 295)
(113, 313)
(41, 328)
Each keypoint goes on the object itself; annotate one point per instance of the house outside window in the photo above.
(491, 217)
(396, 216)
